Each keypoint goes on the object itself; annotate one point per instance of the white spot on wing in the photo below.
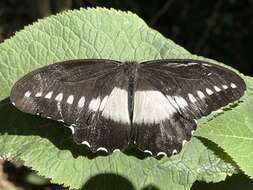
(116, 150)
(209, 91)
(217, 89)
(174, 152)
(49, 95)
(181, 102)
(86, 143)
(218, 111)
(59, 97)
(201, 94)
(102, 105)
(72, 129)
(192, 98)
(233, 85)
(173, 102)
(70, 99)
(81, 102)
(225, 87)
(27, 94)
(102, 149)
(183, 64)
(148, 151)
(207, 65)
(94, 104)
(151, 107)
(192, 132)
(39, 94)
(184, 141)
(161, 154)
(116, 107)
(191, 63)
(13, 103)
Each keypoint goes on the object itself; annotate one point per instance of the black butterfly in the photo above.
(110, 104)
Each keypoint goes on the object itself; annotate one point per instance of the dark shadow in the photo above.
(133, 151)
(15, 122)
(227, 108)
(150, 187)
(235, 182)
(18, 175)
(108, 181)
(217, 151)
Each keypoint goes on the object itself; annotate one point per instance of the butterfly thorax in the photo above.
(130, 70)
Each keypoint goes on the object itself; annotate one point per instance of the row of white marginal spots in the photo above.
(96, 104)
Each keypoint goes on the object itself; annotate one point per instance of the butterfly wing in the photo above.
(80, 93)
(171, 94)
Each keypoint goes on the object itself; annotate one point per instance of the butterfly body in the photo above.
(109, 104)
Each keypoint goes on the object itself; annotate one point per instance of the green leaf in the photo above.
(233, 131)
(47, 146)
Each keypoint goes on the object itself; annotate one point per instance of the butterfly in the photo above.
(110, 104)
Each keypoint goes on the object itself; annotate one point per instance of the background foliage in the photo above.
(221, 30)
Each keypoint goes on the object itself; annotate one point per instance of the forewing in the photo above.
(171, 94)
(197, 87)
(79, 93)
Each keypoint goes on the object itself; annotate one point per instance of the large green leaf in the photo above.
(233, 131)
(47, 147)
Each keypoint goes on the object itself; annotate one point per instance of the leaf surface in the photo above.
(233, 131)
